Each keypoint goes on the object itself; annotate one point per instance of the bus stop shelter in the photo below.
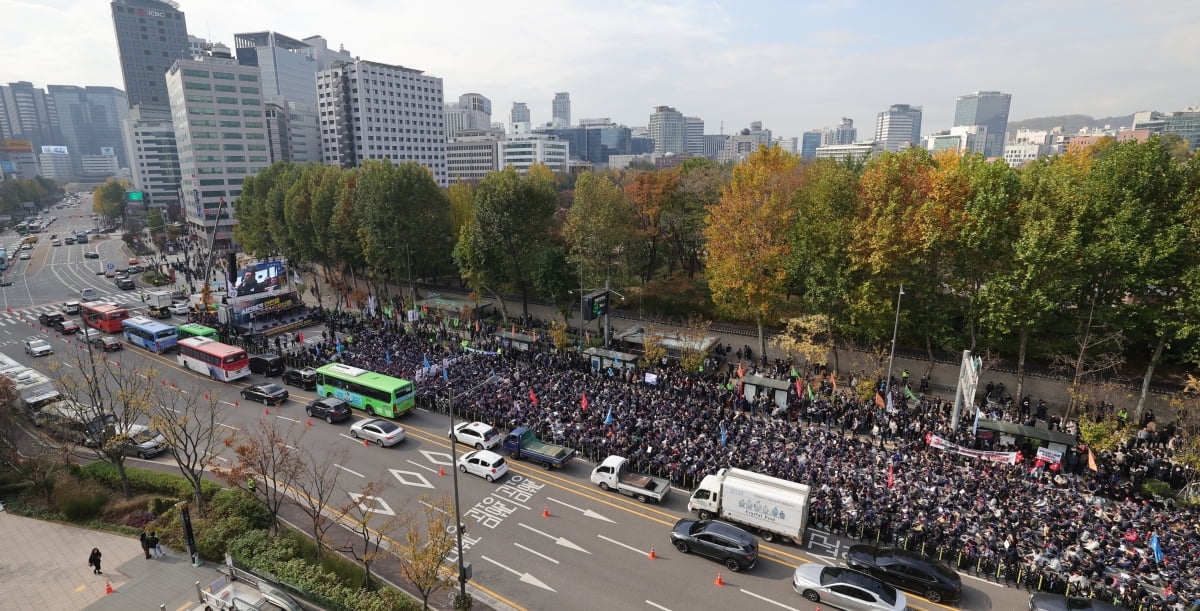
(516, 341)
(602, 359)
(673, 341)
(997, 434)
(453, 308)
(777, 390)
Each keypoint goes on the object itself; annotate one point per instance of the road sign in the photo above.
(111, 266)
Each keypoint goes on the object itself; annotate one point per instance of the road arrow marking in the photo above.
(525, 577)
(382, 508)
(628, 547)
(558, 540)
(586, 512)
(765, 599)
(535, 553)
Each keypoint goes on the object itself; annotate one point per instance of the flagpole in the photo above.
(887, 388)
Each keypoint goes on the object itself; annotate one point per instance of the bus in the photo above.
(374, 392)
(22, 228)
(103, 315)
(192, 329)
(3, 259)
(152, 335)
(219, 361)
(33, 389)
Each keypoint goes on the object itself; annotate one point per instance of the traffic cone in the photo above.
(308, 422)
(365, 443)
(267, 411)
(652, 555)
(719, 582)
(107, 588)
(545, 511)
(441, 472)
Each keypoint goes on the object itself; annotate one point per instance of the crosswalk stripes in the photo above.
(31, 312)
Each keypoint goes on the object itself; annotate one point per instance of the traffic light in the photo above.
(595, 305)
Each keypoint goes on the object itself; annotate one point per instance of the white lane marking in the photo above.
(765, 599)
(420, 466)
(556, 539)
(348, 470)
(535, 553)
(656, 605)
(525, 577)
(586, 512)
(628, 547)
(227, 426)
(432, 506)
(286, 418)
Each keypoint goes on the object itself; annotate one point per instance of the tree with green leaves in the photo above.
(108, 199)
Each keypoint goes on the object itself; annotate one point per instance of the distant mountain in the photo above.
(1069, 123)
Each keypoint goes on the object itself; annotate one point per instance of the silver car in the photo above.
(382, 432)
(143, 442)
(846, 589)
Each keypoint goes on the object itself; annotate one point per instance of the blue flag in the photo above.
(722, 433)
(387, 356)
(339, 347)
(608, 418)
(1158, 555)
(446, 373)
(425, 360)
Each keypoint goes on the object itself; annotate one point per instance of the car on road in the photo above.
(305, 379)
(107, 343)
(329, 409)
(111, 273)
(133, 261)
(135, 269)
(484, 463)
(908, 571)
(846, 589)
(38, 347)
(91, 254)
(267, 364)
(56, 242)
(125, 283)
(91, 335)
(70, 307)
(26, 246)
(721, 541)
(68, 326)
(143, 442)
(26, 256)
(68, 241)
(267, 394)
(475, 434)
(179, 308)
(50, 319)
(1043, 601)
(382, 432)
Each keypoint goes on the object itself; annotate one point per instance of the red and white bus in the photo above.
(103, 315)
(219, 361)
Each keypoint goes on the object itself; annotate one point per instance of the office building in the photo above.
(471, 154)
(370, 110)
(841, 152)
(694, 143)
(27, 113)
(668, 130)
(471, 112)
(809, 141)
(151, 36)
(1185, 123)
(593, 140)
(522, 151)
(990, 110)
(843, 133)
(197, 47)
(898, 127)
(741, 145)
(519, 114)
(17, 159)
(149, 137)
(98, 168)
(221, 135)
(965, 139)
(560, 109)
(92, 120)
(713, 143)
(55, 164)
(288, 66)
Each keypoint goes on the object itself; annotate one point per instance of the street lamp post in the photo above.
(887, 388)
(463, 566)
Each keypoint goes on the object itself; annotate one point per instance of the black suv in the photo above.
(732, 546)
(328, 409)
(267, 364)
(301, 378)
(908, 571)
(51, 319)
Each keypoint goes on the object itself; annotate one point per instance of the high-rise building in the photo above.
(519, 114)
(55, 164)
(1185, 123)
(372, 110)
(153, 158)
(990, 110)
(843, 133)
(471, 154)
(713, 143)
(668, 130)
(197, 47)
(151, 36)
(741, 145)
(593, 140)
(560, 110)
(92, 120)
(965, 139)
(288, 66)
(221, 135)
(809, 142)
(27, 113)
(695, 135)
(472, 112)
(99, 167)
(898, 127)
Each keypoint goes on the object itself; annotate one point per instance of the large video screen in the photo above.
(259, 279)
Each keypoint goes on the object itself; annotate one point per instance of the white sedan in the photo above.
(179, 308)
(382, 432)
(484, 463)
(846, 589)
(475, 434)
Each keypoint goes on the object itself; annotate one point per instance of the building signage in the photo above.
(107, 151)
(16, 146)
(56, 150)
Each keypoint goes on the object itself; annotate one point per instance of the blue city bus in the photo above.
(150, 334)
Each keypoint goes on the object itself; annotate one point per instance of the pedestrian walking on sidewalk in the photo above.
(155, 546)
(94, 561)
(145, 541)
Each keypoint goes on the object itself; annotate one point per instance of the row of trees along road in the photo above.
(1087, 259)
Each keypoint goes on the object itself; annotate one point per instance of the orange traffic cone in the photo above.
(107, 588)
(267, 411)
(441, 472)
(545, 511)
(308, 422)
(719, 582)
(652, 555)
(365, 443)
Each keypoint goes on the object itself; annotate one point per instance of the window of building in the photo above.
(193, 72)
(227, 88)
(249, 78)
(250, 90)
(228, 112)
(231, 135)
(221, 100)
(232, 147)
(224, 76)
(197, 86)
(231, 123)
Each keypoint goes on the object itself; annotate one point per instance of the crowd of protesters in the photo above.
(1082, 524)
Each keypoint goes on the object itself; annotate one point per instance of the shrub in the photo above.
(80, 503)
(1156, 487)
(159, 505)
(145, 480)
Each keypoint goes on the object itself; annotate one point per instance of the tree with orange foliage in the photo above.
(746, 237)
(651, 194)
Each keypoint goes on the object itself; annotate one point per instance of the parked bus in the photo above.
(219, 361)
(192, 329)
(22, 228)
(152, 335)
(103, 315)
(3, 259)
(374, 392)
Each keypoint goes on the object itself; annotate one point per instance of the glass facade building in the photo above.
(151, 36)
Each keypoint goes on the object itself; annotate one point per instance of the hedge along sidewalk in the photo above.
(147, 480)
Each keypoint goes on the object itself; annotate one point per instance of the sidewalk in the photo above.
(44, 566)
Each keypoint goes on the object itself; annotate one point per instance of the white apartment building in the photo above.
(858, 150)
(966, 139)
(669, 131)
(472, 154)
(741, 145)
(369, 110)
(100, 166)
(55, 163)
(522, 151)
(221, 135)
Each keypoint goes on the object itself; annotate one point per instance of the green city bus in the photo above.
(374, 392)
(195, 330)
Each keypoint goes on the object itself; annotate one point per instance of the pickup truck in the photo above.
(612, 475)
(522, 443)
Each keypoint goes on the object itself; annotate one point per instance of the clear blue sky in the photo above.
(792, 65)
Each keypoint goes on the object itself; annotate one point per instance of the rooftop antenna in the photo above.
(722, 128)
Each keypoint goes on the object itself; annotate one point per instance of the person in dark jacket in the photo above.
(145, 540)
(94, 561)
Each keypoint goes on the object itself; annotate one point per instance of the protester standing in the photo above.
(94, 561)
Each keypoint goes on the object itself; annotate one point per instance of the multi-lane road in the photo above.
(536, 539)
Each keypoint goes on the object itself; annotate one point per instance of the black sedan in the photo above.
(301, 378)
(87, 254)
(268, 394)
(328, 409)
(908, 571)
(726, 543)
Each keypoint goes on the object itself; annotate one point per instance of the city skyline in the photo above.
(710, 60)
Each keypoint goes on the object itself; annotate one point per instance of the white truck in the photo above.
(612, 475)
(159, 302)
(776, 508)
